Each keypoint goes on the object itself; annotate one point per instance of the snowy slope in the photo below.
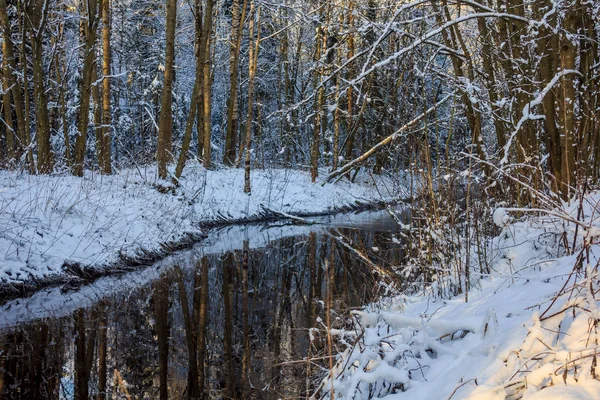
(47, 220)
(528, 330)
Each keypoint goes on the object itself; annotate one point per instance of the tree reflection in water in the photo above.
(233, 325)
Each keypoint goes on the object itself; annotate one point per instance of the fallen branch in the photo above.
(282, 214)
(384, 142)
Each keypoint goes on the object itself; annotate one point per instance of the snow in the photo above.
(94, 220)
(528, 329)
(501, 217)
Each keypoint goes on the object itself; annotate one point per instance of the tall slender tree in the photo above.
(89, 32)
(165, 126)
(106, 91)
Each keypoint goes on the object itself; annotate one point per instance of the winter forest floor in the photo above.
(528, 330)
(54, 228)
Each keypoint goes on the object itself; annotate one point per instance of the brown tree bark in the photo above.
(165, 125)
(90, 25)
(235, 41)
(11, 81)
(195, 106)
(106, 90)
(8, 121)
(37, 17)
(350, 123)
(318, 106)
(566, 106)
(207, 83)
(252, 60)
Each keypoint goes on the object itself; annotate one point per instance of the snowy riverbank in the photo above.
(98, 220)
(528, 331)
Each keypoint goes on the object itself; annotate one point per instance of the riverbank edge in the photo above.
(77, 274)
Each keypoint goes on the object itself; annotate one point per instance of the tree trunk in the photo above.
(566, 106)
(26, 92)
(97, 112)
(207, 83)
(11, 80)
(37, 17)
(194, 103)
(165, 126)
(8, 121)
(252, 60)
(106, 92)
(237, 23)
(89, 56)
(318, 105)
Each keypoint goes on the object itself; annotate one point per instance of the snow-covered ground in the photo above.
(529, 329)
(94, 220)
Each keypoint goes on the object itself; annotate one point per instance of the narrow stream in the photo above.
(233, 317)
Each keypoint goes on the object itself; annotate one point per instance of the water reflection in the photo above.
(245, 323)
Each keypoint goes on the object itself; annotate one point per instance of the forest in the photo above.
(388, 174)
(509, 87)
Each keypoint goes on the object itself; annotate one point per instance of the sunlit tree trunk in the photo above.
(235, 41)
(318, 106)
(165, 126)
(548, 48)
(106, 90)
(207, 83)
(566, 105)
(252, 60)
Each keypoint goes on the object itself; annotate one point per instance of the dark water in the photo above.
(232, 318)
